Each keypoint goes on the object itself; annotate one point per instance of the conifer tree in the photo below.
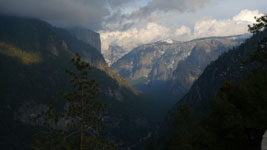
(82, 119)
(83, 110)
(261, 53)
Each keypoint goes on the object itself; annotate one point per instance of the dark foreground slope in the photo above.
(33, 57)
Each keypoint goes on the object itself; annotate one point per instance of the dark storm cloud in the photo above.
(163, 6)
(116, 3)
(63, 12)
(94, 13)
(174, 5)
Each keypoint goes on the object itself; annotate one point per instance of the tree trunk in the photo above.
(82, 127)
(81, 144)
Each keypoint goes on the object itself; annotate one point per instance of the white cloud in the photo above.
(247, 16)
(133, 37)
(152, 11)
(237, 25)
(182, 31)
(213, 27)
(152, 32)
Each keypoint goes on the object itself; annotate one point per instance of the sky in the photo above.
(130, 23)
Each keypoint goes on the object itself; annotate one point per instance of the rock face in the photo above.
(151, 61)
(229, 66)
(90, 37)
(114, 53)
(177, 63)
(85, 49)
(158, 61)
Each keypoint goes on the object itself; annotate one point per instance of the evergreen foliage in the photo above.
(261, 53)
(83, 110)
(82, 117)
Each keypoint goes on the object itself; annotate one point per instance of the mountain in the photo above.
(166, 70)
(87, 51)
(208, 117)
(230, 66)
(113, 53)
(157, 61)
(33, 57)
(204, 52)
(89, 37)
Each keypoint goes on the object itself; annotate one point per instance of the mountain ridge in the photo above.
(27, 85)
(229, 66)
(166, 62)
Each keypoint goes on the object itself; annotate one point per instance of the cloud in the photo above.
(152, 32)
(141, 23)
(247, 16)
(153, 11)
(182, 31)
(88, 13)
(128, 23)
(174, 5)
(237, 25)
(96, 14)
(123, 22)
(133, 37)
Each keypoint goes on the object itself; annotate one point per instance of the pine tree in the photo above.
(82, 116)
(261, 53)
(83, 110)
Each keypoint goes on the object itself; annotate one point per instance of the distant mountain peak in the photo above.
(169, 41)
(114, 53)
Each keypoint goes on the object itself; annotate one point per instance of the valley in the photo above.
(61, 90)
(165, 71)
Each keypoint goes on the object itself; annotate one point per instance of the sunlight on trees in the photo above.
(25, 57)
